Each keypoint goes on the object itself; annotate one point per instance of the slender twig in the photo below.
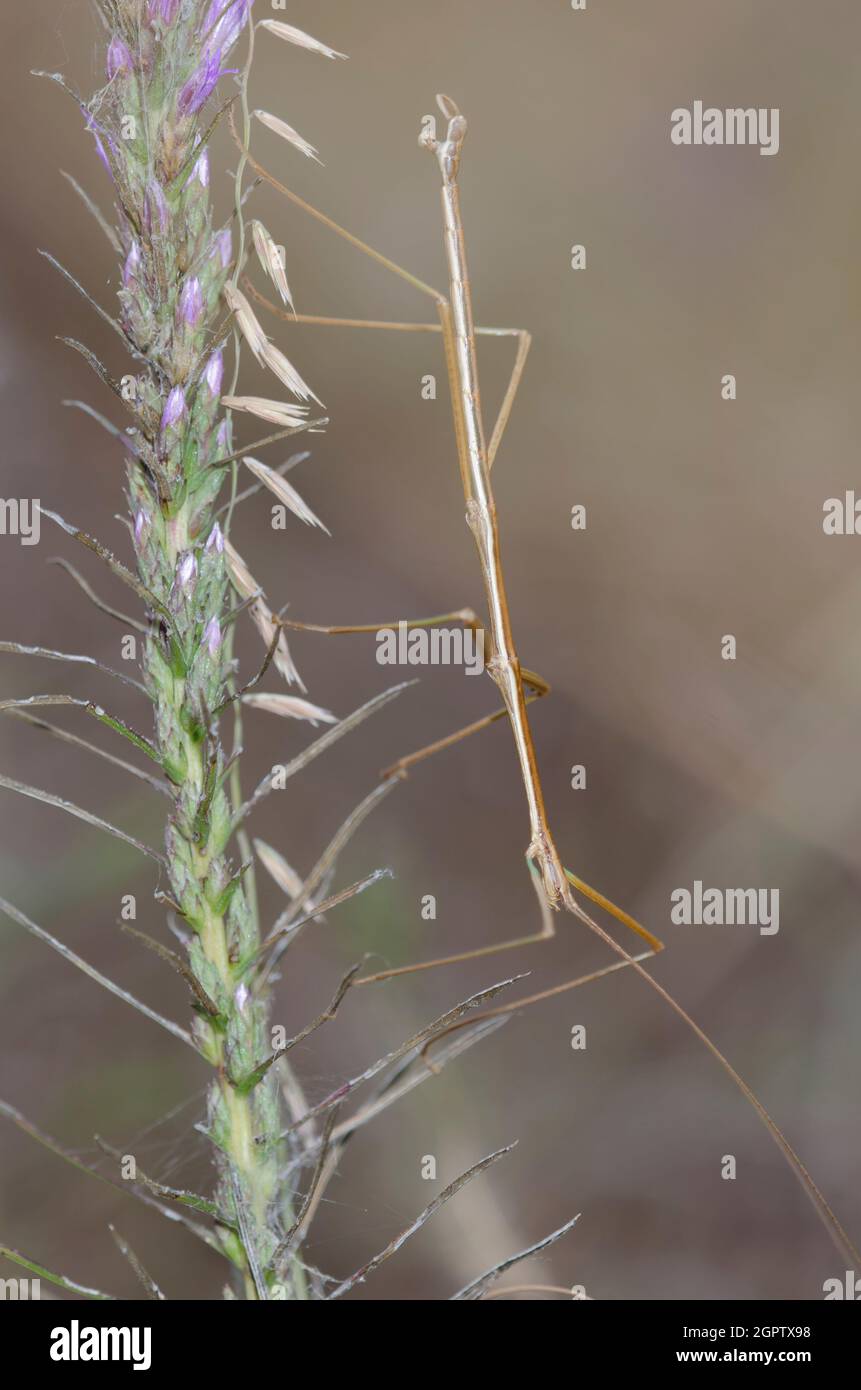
(100, 979)
(87, 816)
(479, 1286)
(430, 1210)
(73, 739)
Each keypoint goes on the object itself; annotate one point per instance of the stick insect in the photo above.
(518, 686)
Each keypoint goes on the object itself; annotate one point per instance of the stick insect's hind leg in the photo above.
(538, 688)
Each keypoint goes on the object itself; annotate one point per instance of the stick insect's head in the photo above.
(448, 150)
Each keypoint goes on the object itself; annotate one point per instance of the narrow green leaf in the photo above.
(59, 1279)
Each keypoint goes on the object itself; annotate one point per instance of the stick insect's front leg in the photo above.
(458, 329)
(524, 343)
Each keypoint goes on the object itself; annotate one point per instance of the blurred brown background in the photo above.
(704, 518)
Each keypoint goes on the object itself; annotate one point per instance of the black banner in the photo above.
(64, 1339)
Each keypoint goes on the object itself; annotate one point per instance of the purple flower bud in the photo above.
(222, 27)
(186, 570)
(200, 86)
(165, 10)
(212, 636)
(191, 302)
(141, 524)
(174, 408)
(224, 247)
(132, 265)
(119, 57)
(156, 213)
(241, 997)
(222, 438)
(215, 541)
(214, 374)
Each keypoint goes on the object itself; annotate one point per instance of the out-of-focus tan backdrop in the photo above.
(704, 518)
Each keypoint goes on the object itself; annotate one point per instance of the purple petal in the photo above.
(224, 247)
(224, 31)
(100, 151)
(191, 302)
(165, 10)
(132, 265)
(200, 85)
(119, 57)
(212, 636)
(214, 373)
(141, 523)
(174, 408)
(187, 570)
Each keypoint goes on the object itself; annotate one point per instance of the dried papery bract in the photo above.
(276, 412)
(275, 123)
(272, 260)
(247, 321)
(290, 707)
(285, 493)
(264, 619)
(290, 34)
